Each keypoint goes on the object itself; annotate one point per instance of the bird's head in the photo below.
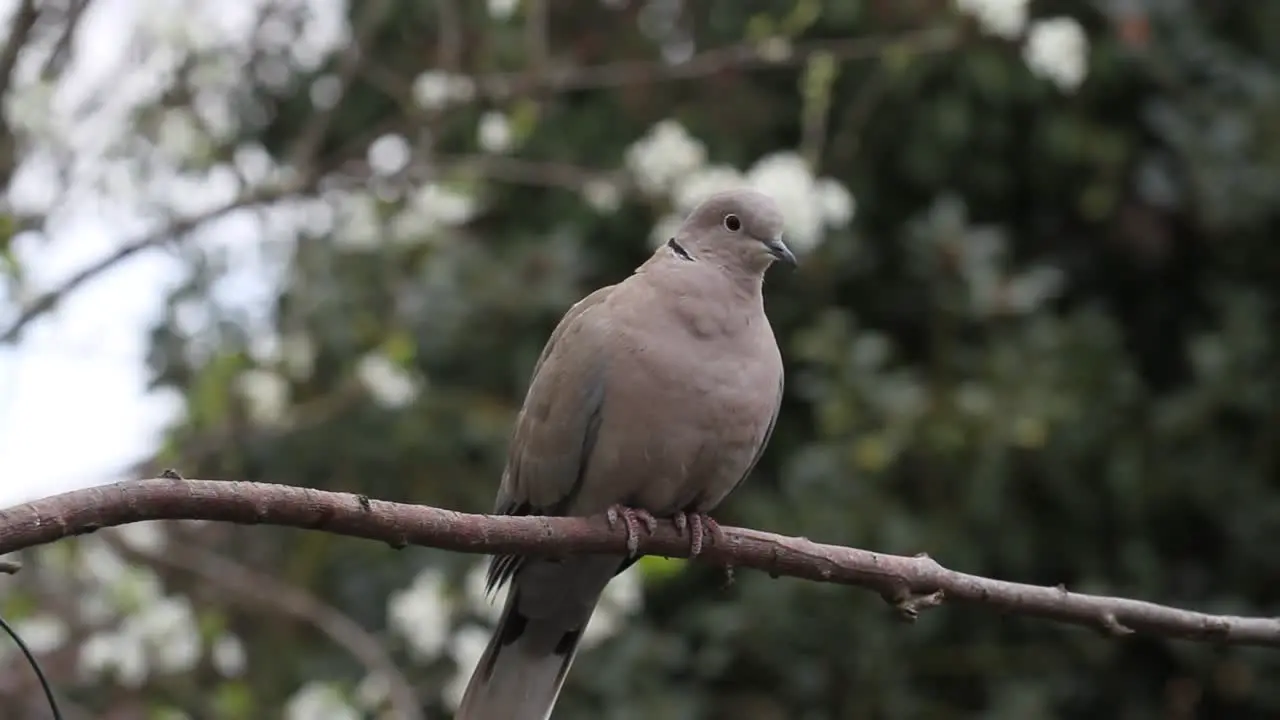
(739, 229)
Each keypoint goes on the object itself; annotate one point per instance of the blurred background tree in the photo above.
(1033, 334)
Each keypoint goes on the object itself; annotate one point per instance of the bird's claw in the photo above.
(632, 518)
(699, 526)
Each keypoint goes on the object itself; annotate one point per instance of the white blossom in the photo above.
(373, 691)
(430, 209)
(697, 186)
(836, 202)
(665, 229)
(266, 394)
(315, 217)
(602, 195)
(1004, 18)
(136, 588)
(179, 136)
(621, 598)
(431, 89)
(254, 164)
(444, 205)
(494, 133)
(502, 9)
(420, 614)
(163, 637)
(42, 633)
(169, 630)
(228, 656)
(147, 537)
(388, 383)
(466, 647)
(1029, 290)
(319, 701)
(110, 651)
(810, 204)
(664, 155)
(1058, 49)
(326, 91)
(389, 154)
(98, 562)
(358, 226)
(436, 89)
(95, 608)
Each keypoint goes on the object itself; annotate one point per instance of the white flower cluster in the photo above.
(981, 254)
(390, 385)
(353, 217)
(265, 394)
(423, 614)
(669, 162)
(146, 632)
(494, 133)
(1055, 48)
(437, 89)
(320, 701)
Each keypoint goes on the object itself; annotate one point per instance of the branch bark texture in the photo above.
(910, 584)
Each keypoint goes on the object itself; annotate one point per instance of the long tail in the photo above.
(524, 666)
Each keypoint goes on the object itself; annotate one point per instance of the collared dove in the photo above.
(654, 397)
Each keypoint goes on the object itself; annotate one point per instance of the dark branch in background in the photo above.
(745, 56)
(23, 22)
(312, 135)
(246, 586)
(450, 37)
(49, 300)
(910, 584)
(57, 60)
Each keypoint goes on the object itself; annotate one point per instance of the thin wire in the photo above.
(31, 658)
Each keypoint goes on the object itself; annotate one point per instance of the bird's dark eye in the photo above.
(732, 223)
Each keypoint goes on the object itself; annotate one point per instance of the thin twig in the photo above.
(312, 135)
(57, 60)
(910, 584)
(537, 36)
(449, 39)
(50, 299)
(23, 22)
(741, 57)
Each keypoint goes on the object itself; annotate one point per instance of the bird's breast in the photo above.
(685, 419)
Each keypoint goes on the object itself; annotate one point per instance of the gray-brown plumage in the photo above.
(653, 397)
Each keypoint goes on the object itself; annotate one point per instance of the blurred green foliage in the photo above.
(1120, 436)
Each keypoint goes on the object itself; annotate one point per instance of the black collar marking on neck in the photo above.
(678, 250)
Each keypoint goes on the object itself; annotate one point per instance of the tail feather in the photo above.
(520, 674)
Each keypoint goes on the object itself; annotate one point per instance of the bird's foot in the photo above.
(632, 519)
(699, 526)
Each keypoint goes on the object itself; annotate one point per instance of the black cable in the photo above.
(31, 658)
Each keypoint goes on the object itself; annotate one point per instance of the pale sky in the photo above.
(73, 409)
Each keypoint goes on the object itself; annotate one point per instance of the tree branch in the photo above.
(910, 584)
(745, 56)
(23, 22)
(50, 299)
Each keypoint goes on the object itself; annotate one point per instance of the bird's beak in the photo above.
(780, 251)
